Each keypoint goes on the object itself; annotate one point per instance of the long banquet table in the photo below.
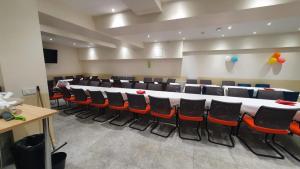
(250, 105)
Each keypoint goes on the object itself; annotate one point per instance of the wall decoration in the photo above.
(228, 58)
(234, 59)
(276, 57)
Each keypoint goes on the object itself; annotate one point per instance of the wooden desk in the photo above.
(32, 113)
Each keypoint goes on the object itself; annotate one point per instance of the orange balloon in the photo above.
(276, 55)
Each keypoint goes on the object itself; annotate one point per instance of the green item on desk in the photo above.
(19, 117)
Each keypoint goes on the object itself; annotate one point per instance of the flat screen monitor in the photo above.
(50, 56)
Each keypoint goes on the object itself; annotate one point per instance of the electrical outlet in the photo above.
(29, 91)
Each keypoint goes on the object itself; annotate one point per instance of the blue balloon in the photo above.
(234, 59)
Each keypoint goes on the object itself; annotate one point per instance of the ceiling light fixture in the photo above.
(113, 10)
(229, 27)
(179, 32)
(254, 33)
(269, 23)
(219, 29)
(148, 36)
(51, 39)
(74, 44)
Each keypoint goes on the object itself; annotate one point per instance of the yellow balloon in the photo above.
(272, 60)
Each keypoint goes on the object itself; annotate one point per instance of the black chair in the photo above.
(244, 84)
(140, 86)
(79, 76)
(206, 82)
(148, 79)
(157, 87)
(82, 99)
(263, 85)
(173, 88)
(69, 77)
(118, 104)
(137, 105)
(228, 83)
(192, 111)
(291, 96)
(105, 80)
(99, 102)
(191, 81)
(192, 89)
(218, 91)
(161, 108)
(127, 85)
(269, 94)
(94, 78)
(105, 84)
(83, 82)
(226, 114)
(57, 78)
(171, 80)
(159, 80)
(270, 121)
(236, 92)
(94, 83)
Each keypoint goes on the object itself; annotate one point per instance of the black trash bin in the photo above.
(29, 153)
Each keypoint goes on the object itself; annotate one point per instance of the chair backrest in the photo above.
(208, 90)
(158, 80)
(57, 78)
(236, 92)
(94, 83)
(225, 110)
(79, 76)
(115, 77)
(79, 94)
(228, 83)
(160, 105)
(171, 80)
(269, 94)
(275, 118)
(207, 82)
(263, 85)
(157, 87)
(192, 107)
(291, 96)
(83, 82)
(244, 85)
(97, 97)
(105, 80)
(130, 78)
(69, 77)
(94, 78)
(127, 85)
(173, 88)
(136, 101)
(191, 81)
(115, 99)
(140, 86)
(148, 79)
(192, 89)
(66, 92)
(105, 84)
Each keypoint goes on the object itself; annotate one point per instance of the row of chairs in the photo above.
(226, 83)
(222, 113)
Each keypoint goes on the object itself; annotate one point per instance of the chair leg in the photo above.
(156, 125)
(86, 113)
(280, 156)
(186, 138)
(285, 149)
(117, 118)
(73, 110)
(231, 145)
(108, 117)
(136, 120)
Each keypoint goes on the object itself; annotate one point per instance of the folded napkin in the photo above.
(141, 92)
(285, 102)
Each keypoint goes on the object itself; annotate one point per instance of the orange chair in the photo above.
(83, 102)
(226, 114)
(137, 105)
(99, 102)
(270, 121)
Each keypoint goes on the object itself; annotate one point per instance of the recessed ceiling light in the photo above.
(269, 23)
(254, 33)
(113, 10)
(183, 38)
(179, 32)
(223, 35)
(229, 27)
(219, 29)
(148, 36)
(51, 39)
(74, 43)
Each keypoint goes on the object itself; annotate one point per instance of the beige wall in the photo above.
(21, 55)
(67, 61)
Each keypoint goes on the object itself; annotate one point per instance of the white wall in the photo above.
(67, 61)
(249, 66)
(159, 67)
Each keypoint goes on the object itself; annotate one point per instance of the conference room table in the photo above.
(250, 105)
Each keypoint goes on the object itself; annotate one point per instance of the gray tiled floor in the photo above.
(92, 145)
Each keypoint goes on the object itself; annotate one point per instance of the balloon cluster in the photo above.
(276, 57)
(232, 59)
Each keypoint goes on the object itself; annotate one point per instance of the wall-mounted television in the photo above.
(50, 55)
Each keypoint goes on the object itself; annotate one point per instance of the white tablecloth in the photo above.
(248, 104)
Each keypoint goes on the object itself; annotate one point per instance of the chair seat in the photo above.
(250, 122)
(223, 122)
(105, 104)
(295, 128)
(190, 118)
(70, 99)
(86, 102)
(140, 111)
(56, 96)
(124, 107)
(165, 116)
